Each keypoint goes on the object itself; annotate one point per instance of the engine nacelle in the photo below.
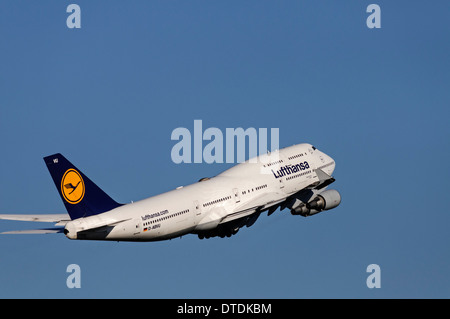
(326, 200)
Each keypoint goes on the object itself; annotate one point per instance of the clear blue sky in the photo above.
(109, 95)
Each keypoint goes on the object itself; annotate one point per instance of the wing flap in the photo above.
(260, 203)
(264, 200)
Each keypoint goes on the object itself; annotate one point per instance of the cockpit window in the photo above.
(313, 148)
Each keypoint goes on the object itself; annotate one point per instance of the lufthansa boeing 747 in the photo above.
(295, 177)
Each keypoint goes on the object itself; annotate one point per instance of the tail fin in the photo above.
(79, 194)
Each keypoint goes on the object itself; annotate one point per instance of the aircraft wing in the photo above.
(271, 200)
(324, 180)
(259, 203)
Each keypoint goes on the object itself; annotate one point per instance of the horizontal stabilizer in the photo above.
(47, 218)
(36, 231)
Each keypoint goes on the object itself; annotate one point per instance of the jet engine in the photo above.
(324, 201)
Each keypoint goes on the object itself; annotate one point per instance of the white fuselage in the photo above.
(258, 184)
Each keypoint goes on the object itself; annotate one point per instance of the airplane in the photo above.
(294, 177)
